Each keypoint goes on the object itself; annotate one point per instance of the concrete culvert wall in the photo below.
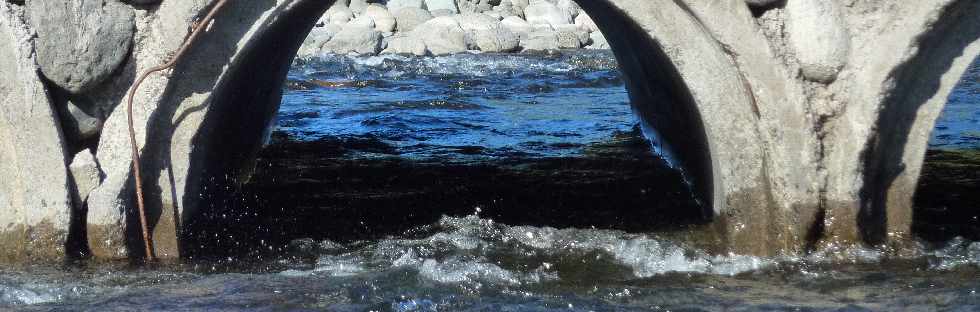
(774, 112)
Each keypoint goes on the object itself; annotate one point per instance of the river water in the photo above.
(494, 109)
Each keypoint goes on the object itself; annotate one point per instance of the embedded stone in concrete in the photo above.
(81, 43)
(819, 37)
(85, 172)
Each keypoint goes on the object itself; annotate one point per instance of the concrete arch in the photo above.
(784, 162)
(202, 160)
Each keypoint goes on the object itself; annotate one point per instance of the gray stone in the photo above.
(517, 25)
(435, 5)
(358, 6)
(361, 21)
(585, 22)
(407, 19)
(85, 172)
(819, 37)
(314, 42)
(395, 5)
(35, 203)
(442, 35)
(340, 15)
(571, 36)
(546, 13)
(384, 21)
(80, 43)
(355, 39)
(442, 12)
(80, 124)
(496, 40)
(405, 44)
(540, 40)
(597, 41)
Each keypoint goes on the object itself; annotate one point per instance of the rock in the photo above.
(86, 173)
(407, 19)
(340, 15)
(355, 39)
(435, 5)
(362, 21)
(35, 206)
(477, 21)
(442, 36)
(496, 40)
(546, 13)
(316, 39)
(494, 14)
(598, 41)
(395, 5)
(358, 6)
(569, 7)
(517, 25)
(77, 124)
(584, 21)
(540, 40)
(405, 44)
(519, 5)
(473, 22)
(441, 13)
(384, 21)
(571, 36)
(79, 46)
(818, 36)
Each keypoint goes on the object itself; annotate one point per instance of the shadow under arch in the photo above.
(228, 141)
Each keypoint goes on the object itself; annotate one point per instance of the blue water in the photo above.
(498, 105)
(959, 125)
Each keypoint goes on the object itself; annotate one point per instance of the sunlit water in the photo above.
(484, 106)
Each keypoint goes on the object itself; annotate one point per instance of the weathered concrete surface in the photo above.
(34, 200)
(784, 158)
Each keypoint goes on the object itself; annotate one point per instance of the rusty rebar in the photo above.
(196, 31)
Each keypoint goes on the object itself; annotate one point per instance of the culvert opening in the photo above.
(948, 193)
(371, 146)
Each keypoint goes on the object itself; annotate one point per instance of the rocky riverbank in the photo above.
(441, 27)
